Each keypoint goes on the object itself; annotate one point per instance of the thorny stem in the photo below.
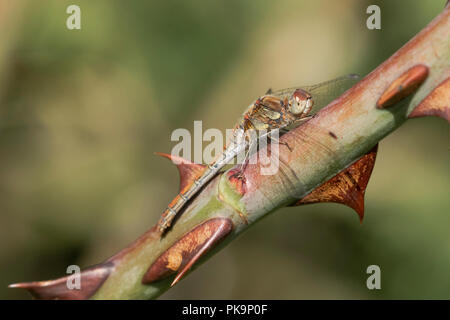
(341, 133)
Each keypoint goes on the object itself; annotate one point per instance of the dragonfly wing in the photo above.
(294, 124)
(325, 92)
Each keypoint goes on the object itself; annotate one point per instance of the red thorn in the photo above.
(188, 170)
(347, 187)
(91, 280)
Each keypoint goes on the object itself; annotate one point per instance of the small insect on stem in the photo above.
(282, 109)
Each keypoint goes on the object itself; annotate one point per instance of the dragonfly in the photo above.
(276, 110)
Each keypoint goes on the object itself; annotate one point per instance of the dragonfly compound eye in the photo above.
(300, 103)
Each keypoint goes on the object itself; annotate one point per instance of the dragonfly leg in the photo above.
(281, 142)
(246, 158)
(243, 217)
(245, 162)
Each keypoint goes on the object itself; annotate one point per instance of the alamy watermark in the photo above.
(374, 280)
(73, 281)
(374, 20)
(190, 147)
(73, 22)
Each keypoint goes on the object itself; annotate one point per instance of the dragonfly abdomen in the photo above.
(183, 197)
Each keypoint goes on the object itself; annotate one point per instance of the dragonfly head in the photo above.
(300, 103)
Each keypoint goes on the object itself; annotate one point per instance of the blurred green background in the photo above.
(82, 111)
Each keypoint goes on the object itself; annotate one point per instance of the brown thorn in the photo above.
(347, 187)
(223, 229)
(437, 103)
(403, 86)
(183, 254)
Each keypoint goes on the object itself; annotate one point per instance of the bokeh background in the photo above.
(81, 113)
